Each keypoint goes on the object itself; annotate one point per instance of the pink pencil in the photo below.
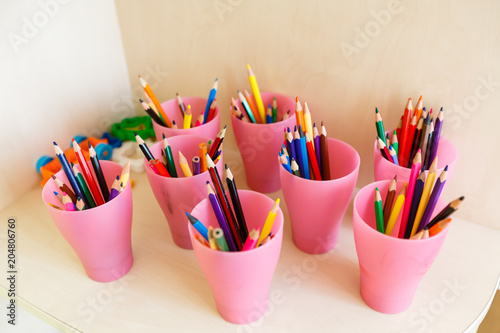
(68, 204)
(415, 168)
(252, 239)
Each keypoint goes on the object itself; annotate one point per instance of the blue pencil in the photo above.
(246, 107)
(198, 225)
(291, 146)
(305, 160)
(298, 153)
(211, 97)
(69, 173)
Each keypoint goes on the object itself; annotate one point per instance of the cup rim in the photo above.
(283, 170)
(365, 225)
(216, 115)
(292, 114)
(443, 138)
(235, 253)
(90, 210)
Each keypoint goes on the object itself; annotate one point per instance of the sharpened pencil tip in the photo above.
(163, 135)
(446, 168)
(55, 144)
(226, 166)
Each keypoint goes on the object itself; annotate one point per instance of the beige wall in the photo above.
(70, 77)
(446, 51)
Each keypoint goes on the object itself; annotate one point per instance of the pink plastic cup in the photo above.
(100, 236)
(176, 196)
(447, 155)
(390, 268)
(317, 208)
(198, 104)
(258, 144)
(240, 281)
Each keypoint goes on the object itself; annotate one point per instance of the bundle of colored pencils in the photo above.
(254, 108)
(417, 131)
(165, 165)
(416, 202)
(232, 233)
(305, 152)
(154, 109)
(84, 190)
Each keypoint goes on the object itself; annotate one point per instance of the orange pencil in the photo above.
(438, 227)
(157, 104)
(255, 112)
(299, 115)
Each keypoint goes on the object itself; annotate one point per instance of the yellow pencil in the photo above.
(308, 122)
(269, 222)
(187, 117)
(396, 210)
(184, 165)
(429, 183)
(211, 239)
(256, 94)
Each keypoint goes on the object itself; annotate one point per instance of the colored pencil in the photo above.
(220, 240)
(274, 109)
(252, 106)
(235, 200)
(98, 173)
(252, 239)
(411, 186)
(379, 125)
(283, 160)
(383, 149)
(436, 135)
(68, 204)
(224, 202)
(404, 129)
(298, 113)
(246, 107)
(187, 118)
(394, 156)
(186, 170)
(389, 200)
(152, 113)
(312, 158)
(305, 159)
(203, 152)
(155, 101)
(438, 227)
(325, 155)
(115, 188)
(182, 107)
(256, 93)
(200, 227)
(218, 140)
(426, 193)
(269, 114)
(396, 209)
(447, 211)
(211, 239)
(201, 240)
(195, 162)
(170, 158)
(219, 214)
(394, 142)
(212, 110)
(379, 214)
(64, 188)
(68, 171)
(308, 122)
(268, 225)
(87, 174)
(298, 153)
(409, 141)
(158, 166)
(295, 167)
(415, 201)
(88, 200)
(211, 97)
(436, 192)
(144, 147)
(125, 174)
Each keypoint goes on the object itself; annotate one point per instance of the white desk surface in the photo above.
(165, 291)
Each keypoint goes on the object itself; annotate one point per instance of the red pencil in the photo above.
(383, 150)
(404, 129)
(87, 174)
(409, 141)
(312, 158)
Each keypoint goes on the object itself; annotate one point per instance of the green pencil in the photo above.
(379, 214)
(83, 185)
(170, 158)
(379, 124)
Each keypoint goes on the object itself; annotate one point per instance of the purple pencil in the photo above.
(115, 188)
(437, 134)
(415, 201)
(317, 148)
(196, 165)
(431, 204)
(220, 218)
